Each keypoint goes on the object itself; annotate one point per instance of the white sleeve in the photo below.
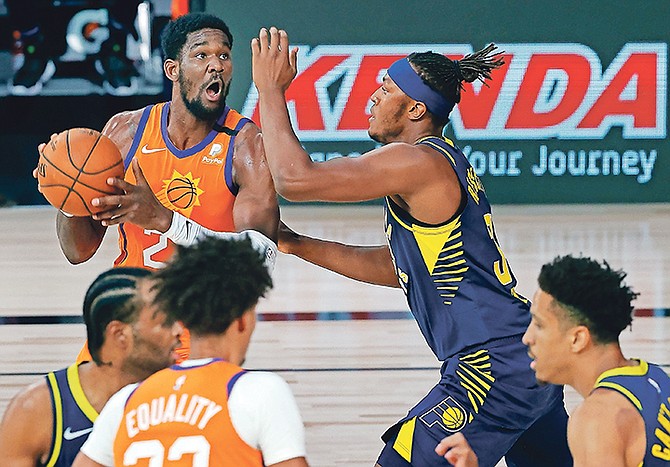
(186, 232)
(99, 446)
(264, 413)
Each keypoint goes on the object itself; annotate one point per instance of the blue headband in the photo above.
(403, 75)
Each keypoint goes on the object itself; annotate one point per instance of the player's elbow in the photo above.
(77, 257)
(293, 188)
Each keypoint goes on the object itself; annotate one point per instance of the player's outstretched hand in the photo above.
(137, 204)
(273, 65)
(457, 451)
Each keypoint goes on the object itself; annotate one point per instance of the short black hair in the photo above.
(112, 296)
(592, 294)
(174, 34)
(208, 285)
(446, 76)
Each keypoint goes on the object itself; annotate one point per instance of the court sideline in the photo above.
(352, 355)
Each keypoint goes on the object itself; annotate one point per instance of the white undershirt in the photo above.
(262, 410)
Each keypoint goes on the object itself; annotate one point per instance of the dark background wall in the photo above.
(603, 27)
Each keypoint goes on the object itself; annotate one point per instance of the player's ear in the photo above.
(247, 322)
(416, 110)
(171, 69)
(120, 333)
(241, 324)
(581, 338)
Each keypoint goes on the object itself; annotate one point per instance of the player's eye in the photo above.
(224, 56)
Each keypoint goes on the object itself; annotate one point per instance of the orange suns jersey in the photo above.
(179, 417)
(196, 182)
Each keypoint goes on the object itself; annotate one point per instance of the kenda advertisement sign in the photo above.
(555, 124)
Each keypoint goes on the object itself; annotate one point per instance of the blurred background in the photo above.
(577, 115)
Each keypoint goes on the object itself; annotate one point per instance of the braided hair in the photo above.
(446, 76)
(111, 297)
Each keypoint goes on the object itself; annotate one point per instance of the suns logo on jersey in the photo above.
(180, 193)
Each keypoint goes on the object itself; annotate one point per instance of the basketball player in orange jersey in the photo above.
(194, 166)
(206, 410)
(47, 422)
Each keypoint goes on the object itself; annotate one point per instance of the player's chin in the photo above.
(374, 135)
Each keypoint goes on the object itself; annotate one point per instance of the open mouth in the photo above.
(214, 89)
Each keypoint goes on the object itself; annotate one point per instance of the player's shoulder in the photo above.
(260, 384)
(126, 117)
(604, 406)
(248, 143)
(121, 128)
(32, 401)
(248, 130)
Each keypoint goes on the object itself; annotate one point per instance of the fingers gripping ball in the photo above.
(74, 167)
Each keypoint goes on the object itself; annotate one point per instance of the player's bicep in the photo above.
(26, 428)
(591, 443)
(255, 205)
(389, 170)
(121, 129)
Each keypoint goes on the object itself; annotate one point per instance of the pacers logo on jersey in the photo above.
(180, 192)
(448, 414)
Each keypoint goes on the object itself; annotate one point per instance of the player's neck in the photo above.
(600, 359)
(213, 346)
(184, 129)
(413, 133)
(100, 382)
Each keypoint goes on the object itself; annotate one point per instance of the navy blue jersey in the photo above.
(458, 283)
(647, 387)
(73, 416)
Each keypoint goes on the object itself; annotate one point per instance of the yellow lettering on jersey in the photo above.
(662, 450)
(500, 267)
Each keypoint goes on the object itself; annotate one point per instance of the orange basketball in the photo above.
(74, 167)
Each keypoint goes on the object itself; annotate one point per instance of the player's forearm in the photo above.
(265, 221)
(288, 161)
(79, 237)
(371, 264)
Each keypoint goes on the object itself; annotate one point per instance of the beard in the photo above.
(196, 105)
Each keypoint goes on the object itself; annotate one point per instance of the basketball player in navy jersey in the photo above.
(578, 314)
(442, 251)
(47, 422)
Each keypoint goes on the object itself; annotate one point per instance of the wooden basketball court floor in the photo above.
(351, 353)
